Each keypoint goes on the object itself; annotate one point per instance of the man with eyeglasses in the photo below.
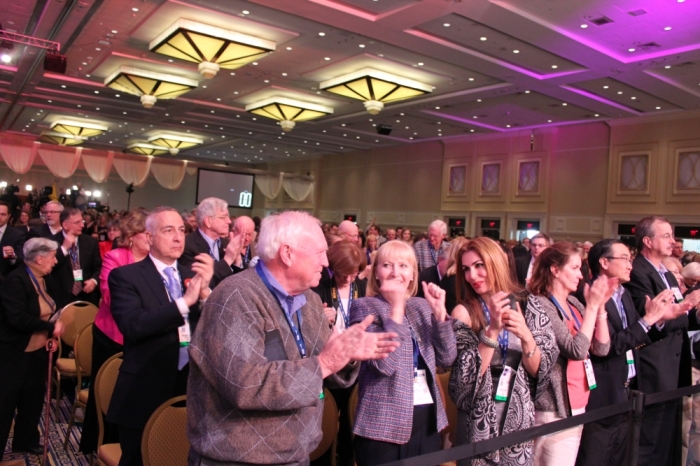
(77, 271)
(428, 251)
(605, 441)
(349, 231)
(664, 364)
(52, 226)
(212, 237)
(245, 227)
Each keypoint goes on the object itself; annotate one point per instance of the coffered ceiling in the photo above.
(494, 66)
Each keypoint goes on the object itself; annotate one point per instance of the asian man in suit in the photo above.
(79, 261)
(605, 442)
(665, 364)
(156, 305)
(11, 242)
(212, 237)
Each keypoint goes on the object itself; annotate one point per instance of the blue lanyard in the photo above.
(295, 331)
(343, 312)
(502, 335)
(435, 254)
(416, 354)
(577, 324)
(49, 301)
(246, 257)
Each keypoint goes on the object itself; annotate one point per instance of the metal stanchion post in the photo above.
(635, 427)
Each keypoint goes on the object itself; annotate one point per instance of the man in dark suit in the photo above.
(79, 261)
(665, 364)
(524, 264)
(156, 305)
(52, 213)
(605, 442)
(212, 237)
(435, 273)
(11, 242)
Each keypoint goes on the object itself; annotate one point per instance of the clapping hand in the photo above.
(436, 299)
(203, 266)
(600, 291)
(232, 255)
(331, 314)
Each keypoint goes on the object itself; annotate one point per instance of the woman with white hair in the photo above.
(27, 302)
(691, 275)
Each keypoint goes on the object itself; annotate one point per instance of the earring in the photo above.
(130, 243)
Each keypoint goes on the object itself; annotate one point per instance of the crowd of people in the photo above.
(255, 318)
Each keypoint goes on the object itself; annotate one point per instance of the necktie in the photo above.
(175, 290)
(75, 262)
(217, 246)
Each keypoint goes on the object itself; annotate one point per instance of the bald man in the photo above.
(349, 231)
(245, 226)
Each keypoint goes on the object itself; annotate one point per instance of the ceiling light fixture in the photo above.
(174, 142)
(79, 130)
(213, 48)
(62, 139)
(288, 111)
(146, 149)
(150, 85)
(375, 88)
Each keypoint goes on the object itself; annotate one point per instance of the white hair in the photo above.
(152, 219)
(439, 224)
(210, 207)
(58, 205)
(290, 227)
(691, 270)
(36, 247)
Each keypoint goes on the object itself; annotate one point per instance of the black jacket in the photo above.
(12, 237)
(90, 263)
(196, 244)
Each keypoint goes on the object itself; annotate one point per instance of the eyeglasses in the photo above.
(52, 212)
(666, 236)
(221, 217)
(624, 258)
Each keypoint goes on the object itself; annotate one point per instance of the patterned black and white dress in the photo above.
(480, 417)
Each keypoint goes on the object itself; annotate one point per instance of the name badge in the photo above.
(677, 294)
(630, 357)
(590, 376)
(421, 392)
(78, 275)
(183, 333)
(504, 384)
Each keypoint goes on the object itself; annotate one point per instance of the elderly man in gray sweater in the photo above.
(262, 350)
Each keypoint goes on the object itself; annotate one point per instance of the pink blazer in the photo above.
(104, 320)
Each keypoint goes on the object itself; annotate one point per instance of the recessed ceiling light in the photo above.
(267, 80)
(619, 92)
(584, 26)
(606, 87)
(596, 115)
(633, 98)
(327, 58)
(97, 92)
(516, 51)
(362, 46)
(321, 34)
(63, 86)
(564, 104)
(98, 49)
(667, 28)
(478, 100)
(437, 108)
(218, 99)
(667, 66)
(658, 108)
(631, 49)
(507, 126)
(554, 67)
(680, 1)
(289, 48)
(475, 117)
(527, 92)
(245, 12)
(549, 121)
(471, 130)
(446, 25)
(471, 79)
(482, 38)
(114, 31)
(233, 73)
(134, 9)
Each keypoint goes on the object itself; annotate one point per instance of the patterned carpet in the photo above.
(57, 434)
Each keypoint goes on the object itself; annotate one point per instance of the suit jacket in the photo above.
(41, 231)
(611, 370)
(12, 237)
(90, 263)
(20, 311)
(664, 364)
(522, 263)
(429, 275)
(196, 244)
(148, 320)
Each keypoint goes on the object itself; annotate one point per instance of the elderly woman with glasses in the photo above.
(27, 303)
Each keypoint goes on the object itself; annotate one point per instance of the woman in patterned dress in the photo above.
(504, 356)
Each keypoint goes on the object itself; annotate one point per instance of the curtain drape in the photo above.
(269, 185)
(169, 175)
(133, 171)
(19, 158)
(297, 189)
(98, 166)
(61, 163)
(191, 170)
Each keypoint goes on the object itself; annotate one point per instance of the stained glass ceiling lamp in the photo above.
(375, 88)
(62, 139)
(213, 48)
(78, 129)
(288, 111)
(146, 149)
(150, 85)
(174, 142)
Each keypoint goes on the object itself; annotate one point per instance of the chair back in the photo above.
(75, 316)
(83, 353)
(104, 387)
(450, 407)
(164, 439)
(329, 426)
